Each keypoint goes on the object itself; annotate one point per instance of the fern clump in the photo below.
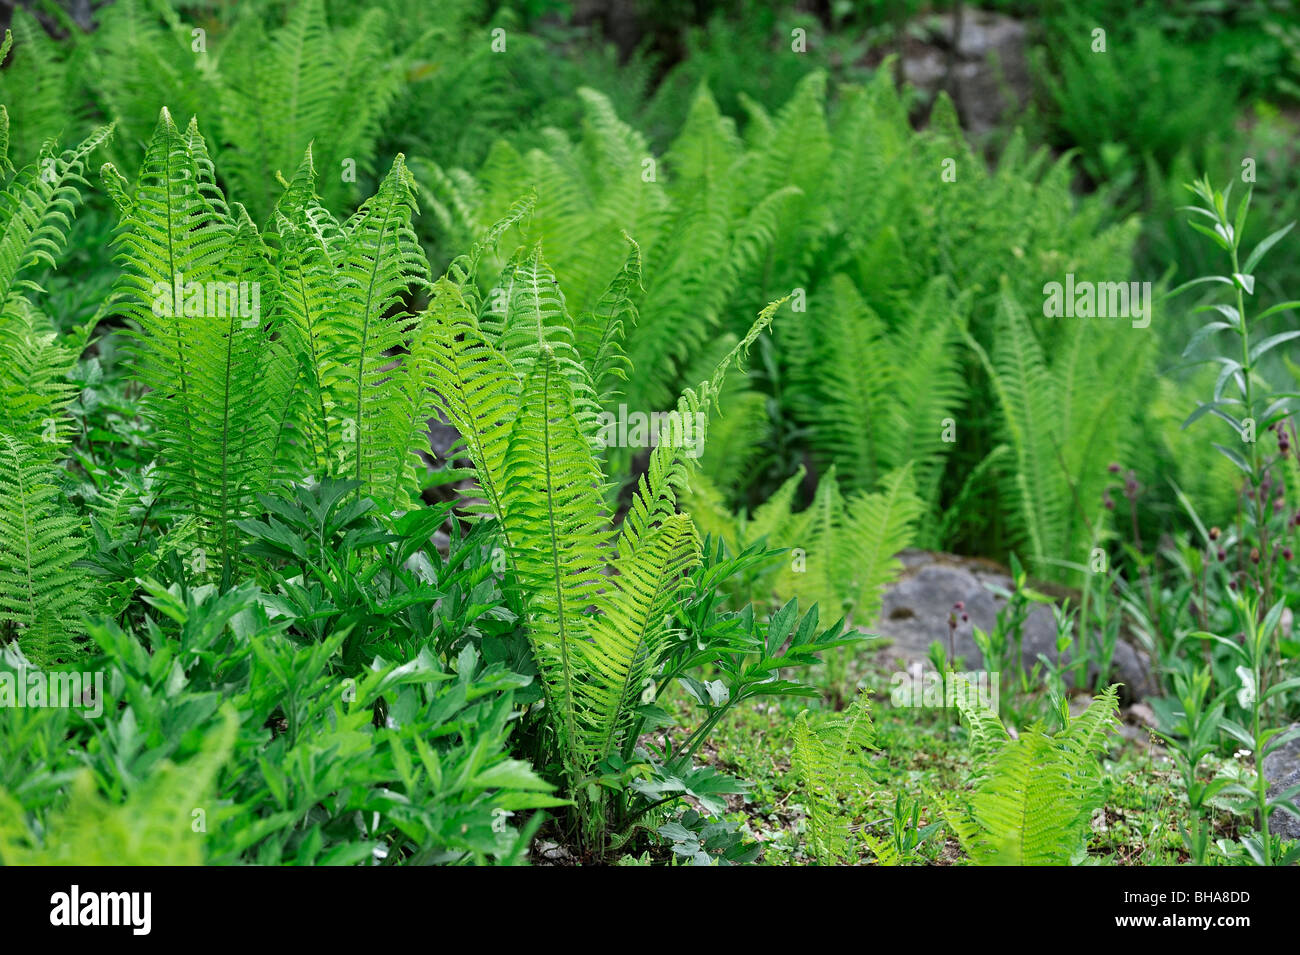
(1034, 795)
(307, 319)
(840, 551)
(598, 596)
(44, 594)
(832, 763)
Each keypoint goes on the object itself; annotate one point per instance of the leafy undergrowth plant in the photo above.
(238, 742)
(1032, 796)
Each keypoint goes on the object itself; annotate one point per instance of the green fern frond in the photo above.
(600, 332)
(629, 638)
(473, 389)
(1034, 796)
(37, 210)
(301, 82)
(830, 760)
(876, 527)
(38, 86)
(846, 380)
(533, 318)
(42, 595)
(380, 259)
(1029, 402)
(34, 386)
(553, 515)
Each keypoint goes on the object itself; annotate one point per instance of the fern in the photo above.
(595, 637)
(1034, 796)
(379, 261)
(301, 81)
(43, 595)
(37, 87)
(831, 763)
(843, 551)
(329, 377)
(181, 247)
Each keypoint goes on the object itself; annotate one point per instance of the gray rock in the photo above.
(915, 611)
(1282, 823)
(1282, 770)
(982, 65)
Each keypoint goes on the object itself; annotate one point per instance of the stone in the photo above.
(983, 68)
(914, 614)
(1282, 770)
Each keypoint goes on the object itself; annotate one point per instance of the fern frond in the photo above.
(37, 211)
(535, 319)
(876, 527)
(380, 259)
(34, 386)
(473, 389)
(554, 518)
(628, 639)
(1029, 402)
(42, 595)
(847, 379)
(599, 333)
(830, 761)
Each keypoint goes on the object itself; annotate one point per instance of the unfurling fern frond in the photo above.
(1035, 795)
(830, 759)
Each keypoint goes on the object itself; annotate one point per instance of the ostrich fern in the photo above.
(830, 761)
(201, 357)
(43, 595)
(1034, 796)
(307, 381)
(595, 636)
